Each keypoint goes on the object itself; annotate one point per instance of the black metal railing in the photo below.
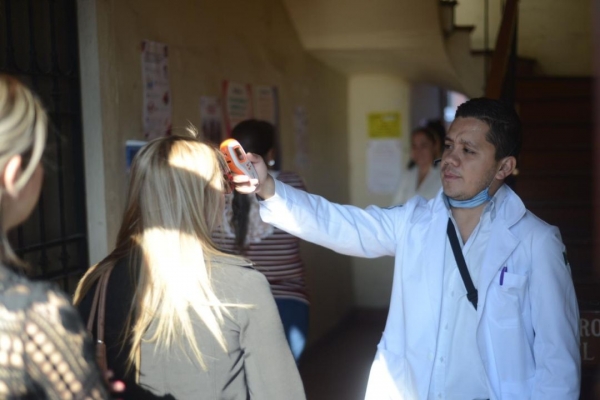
(39, 45)
(502, 72)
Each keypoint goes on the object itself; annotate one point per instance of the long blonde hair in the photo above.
(23, 129)
(174, 203)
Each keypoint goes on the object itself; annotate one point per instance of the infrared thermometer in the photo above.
(236, 158)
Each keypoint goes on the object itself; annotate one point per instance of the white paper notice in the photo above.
(157, 96)
(301, 133)
(212, 119)
(384, 161)
(237, 100)
(265, 103)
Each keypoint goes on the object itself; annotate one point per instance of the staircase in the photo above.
(554, 171)
(555, 183)
(555, 167)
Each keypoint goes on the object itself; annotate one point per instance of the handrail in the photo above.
(501, 55)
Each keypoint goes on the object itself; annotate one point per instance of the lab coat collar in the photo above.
(507, 209)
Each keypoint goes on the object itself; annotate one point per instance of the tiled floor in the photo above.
(337, 367)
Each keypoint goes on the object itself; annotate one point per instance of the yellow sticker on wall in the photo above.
(384, 125)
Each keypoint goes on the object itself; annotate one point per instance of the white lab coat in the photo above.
(527, 334)
(408, 185)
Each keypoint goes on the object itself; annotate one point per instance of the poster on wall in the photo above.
(211, 119)
(384, 125)
(131, 149)
(266, 104)
(384, 157)
(301, 137)
(237, 100)
(157, 92)
(384, 152)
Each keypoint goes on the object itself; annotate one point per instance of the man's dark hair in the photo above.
(501, 117)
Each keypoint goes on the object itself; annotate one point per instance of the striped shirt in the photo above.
(274, 252)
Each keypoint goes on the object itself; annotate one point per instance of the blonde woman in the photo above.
(185, 320)
(44, 348)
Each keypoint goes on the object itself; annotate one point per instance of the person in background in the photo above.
(437, 126)
(274, 252)
(45, 352)
(422, 176)
(183, 319)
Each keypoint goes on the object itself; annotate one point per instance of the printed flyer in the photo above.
(157, 92)
(237, 99)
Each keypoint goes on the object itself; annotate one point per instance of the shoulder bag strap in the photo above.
(102, 305)
(92, 316)
(99, 305)
(462, 265)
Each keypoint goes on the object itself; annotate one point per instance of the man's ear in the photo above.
(507, 166)
(11, 173)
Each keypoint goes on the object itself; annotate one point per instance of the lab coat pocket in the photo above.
(507, 299)
(391, 378)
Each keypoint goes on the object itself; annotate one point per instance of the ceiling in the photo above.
(399, 37)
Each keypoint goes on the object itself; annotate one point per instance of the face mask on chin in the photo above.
(474, 201)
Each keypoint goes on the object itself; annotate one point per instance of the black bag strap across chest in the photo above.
(462, 265)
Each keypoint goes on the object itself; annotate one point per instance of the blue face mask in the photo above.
(473, 202)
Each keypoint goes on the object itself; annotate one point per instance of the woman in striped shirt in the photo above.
(274, 252)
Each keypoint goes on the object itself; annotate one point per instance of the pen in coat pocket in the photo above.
(504, 269)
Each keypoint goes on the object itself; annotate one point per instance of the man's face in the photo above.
(468, 161)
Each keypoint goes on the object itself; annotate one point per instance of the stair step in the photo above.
(555, 159)
(572, 222)
(556, 110)
(586, 289)
(560, 136)
(556, 163)
(563, 186)
(542, 88)
(468, 28)
(580, 257)
(526, 66)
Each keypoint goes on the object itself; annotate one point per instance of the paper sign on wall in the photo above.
(266, 104)
(131, 149)
(212, 119)
(157, 91)
(301, 136)
(384, 157)
(384, 125)
(237, 98)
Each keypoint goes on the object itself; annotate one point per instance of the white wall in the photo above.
(248, 42)
(91, 108)
(556, 33)
(372, 93)
(425, 104)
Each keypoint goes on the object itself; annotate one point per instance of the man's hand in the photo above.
(264, 186)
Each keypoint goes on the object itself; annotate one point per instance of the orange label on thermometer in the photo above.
(236, 158)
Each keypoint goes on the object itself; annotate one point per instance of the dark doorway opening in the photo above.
(39, 45)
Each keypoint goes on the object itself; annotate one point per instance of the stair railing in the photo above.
(501, 79)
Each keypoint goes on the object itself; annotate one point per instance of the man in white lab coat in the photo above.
(517, 335)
